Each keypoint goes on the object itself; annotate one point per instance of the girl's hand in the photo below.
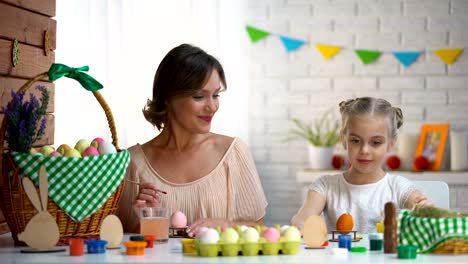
(147, 197)
(207, 222)
(422, 201)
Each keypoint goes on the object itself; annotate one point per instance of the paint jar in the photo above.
(344, 241)
(96, 246)
(376, 241)
(76, 246)
(135, 248)
(407, 251)
(150, 241)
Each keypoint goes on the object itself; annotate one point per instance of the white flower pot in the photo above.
(320, 158)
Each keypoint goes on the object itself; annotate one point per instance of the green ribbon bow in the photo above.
(58, 70)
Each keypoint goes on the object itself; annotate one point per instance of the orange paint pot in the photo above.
(76, 246)
(135, 248)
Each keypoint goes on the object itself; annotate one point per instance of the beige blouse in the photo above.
(231, 191)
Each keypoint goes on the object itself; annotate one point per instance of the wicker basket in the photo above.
(17, 208)
(434, 235)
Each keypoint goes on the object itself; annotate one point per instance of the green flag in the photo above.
(256, 34)
(368, 56)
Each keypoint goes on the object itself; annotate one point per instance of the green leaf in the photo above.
(324, 131)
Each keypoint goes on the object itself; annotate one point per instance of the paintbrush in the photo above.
(137, 183)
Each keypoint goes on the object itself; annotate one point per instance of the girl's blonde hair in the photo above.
(372, 107)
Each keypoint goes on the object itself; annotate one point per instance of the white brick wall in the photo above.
(302, 84)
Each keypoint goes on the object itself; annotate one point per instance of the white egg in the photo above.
(107, 147)
(210, 236)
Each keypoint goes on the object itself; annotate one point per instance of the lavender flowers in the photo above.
(26, 121)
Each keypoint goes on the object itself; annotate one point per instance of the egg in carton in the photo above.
(247, 241)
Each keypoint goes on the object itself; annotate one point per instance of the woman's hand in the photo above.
(147, 197)
(207, 222)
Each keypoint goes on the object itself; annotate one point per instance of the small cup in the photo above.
(376, 241)
(96, 246)
(76, 246)
(344, 241)
(154, 221)
(407, 251)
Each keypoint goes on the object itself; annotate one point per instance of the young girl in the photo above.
(369, 131)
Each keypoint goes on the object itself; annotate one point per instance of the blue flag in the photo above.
(291, 44)
(407, 57)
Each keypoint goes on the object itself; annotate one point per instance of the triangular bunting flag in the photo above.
(291, 44)
(448, 55)
(368, 56)
(328, 51)
(407, 57)
(256, 34)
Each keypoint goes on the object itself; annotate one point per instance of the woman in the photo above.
(210, 177)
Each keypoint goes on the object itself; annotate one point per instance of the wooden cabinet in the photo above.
(31, 23)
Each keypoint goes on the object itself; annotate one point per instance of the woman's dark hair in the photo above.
(182, 72)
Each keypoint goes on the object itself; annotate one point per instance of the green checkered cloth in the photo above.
(429, 233)
(80, 186)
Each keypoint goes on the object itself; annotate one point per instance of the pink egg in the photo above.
(96, 142)
(90, 151)
(178, 219)
(55, 154)
(271, 234)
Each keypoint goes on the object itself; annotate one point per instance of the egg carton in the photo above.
(262, 247)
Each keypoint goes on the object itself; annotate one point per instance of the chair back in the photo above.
(436, 191)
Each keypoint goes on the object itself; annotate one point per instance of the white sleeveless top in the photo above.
(231, 191)
(364, 202)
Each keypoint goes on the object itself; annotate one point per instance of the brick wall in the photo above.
(301, 84)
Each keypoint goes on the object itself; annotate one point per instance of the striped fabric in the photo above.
(80, 186)
(429, 233)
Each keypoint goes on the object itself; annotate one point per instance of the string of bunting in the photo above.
(406, 58)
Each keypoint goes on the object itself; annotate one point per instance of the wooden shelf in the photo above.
(307, 175)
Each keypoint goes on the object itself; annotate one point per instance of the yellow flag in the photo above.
(328, 51)
(448, 55)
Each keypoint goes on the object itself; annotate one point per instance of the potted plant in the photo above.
(322, 136)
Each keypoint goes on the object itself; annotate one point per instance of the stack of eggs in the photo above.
(248, 241)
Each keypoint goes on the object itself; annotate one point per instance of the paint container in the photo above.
(76, 246)
(96, 246)
(344, 241)
(376, 242)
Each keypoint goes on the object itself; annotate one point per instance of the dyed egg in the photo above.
(63, 148)
(292, 234)
(81, 145)
(90, 151)
(96, 142)
(55, 154)
(271, 234)
(283, 228)
(72, 153)
(210, 236)
(229, 235)
(46, 150)
(250, 235)
(178, 219)
(106, 147)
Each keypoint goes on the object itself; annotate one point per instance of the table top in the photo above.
(171, 252)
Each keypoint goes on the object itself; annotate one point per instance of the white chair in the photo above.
(436, 191)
